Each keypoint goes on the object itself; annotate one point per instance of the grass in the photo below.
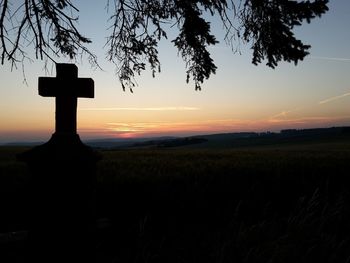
(281, 203)
(269, 204)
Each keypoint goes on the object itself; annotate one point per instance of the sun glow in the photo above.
(188, 128)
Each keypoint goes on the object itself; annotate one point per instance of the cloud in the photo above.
(169, 128)
(331, 58)
(179, 108)
(176, 128)
(334, 98)
(310, 119)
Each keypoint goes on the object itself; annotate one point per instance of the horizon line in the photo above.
(38, 141)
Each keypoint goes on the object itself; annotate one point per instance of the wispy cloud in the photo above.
(309, 120)
(331, 58)
(175, 128)
(334, 98)
(179, 108)
(283, 120)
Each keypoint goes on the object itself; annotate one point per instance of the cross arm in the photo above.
(54, 87)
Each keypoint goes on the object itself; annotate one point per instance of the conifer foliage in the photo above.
(137, 26)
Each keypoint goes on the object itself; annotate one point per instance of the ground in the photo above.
(269, 203)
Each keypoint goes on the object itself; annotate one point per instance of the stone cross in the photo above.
(62, 216)
(66, 87)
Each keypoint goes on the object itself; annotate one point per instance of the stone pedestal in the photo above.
(63, 219)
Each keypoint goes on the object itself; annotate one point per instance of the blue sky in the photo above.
(240, 97)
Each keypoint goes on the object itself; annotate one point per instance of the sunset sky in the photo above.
(240, 97)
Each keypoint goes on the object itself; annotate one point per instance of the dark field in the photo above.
(280, 203)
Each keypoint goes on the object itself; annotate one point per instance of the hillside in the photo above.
(251, 139)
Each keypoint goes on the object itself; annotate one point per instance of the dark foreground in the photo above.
(268, 204)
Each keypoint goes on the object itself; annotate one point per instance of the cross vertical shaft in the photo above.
(66, 115)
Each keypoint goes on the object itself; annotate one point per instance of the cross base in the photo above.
(61, 147)
(62, 200)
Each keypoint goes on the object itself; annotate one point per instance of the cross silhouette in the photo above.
(66, 87)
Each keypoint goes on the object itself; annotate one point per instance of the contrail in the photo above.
(334, 98)
(284, 113)
(331, 58)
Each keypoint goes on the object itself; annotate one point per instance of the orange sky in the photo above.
(240, 97)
